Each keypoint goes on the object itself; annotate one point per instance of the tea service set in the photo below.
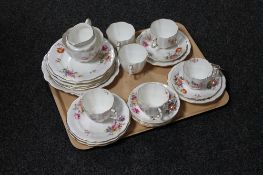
(82, 62)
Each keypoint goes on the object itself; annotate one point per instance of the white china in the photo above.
(199, 96)
(85, 51)
(54, 84)
(120, 34)
(143, 118)
(92, 133)
(98, 104)
(133, 58)
(199, 73)
(152, 99)
(81, 34)
(164, 32)
(64, 66)
(165, 57)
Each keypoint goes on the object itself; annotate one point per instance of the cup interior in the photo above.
(153, 95)
(120, 31)
(97, 101)
(164, 28)
(80, 33)
(198, 68)
(133, 53)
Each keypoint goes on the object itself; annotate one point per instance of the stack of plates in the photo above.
(89, 132)
(165, 57)
(143, 118)
(177, 82)
(65, 73)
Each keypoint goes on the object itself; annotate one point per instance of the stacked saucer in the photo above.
(202, 91)
(90, 126)
(71, 76)
(171, 49)
(153, 104)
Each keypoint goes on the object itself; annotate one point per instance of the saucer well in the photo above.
(92, 132)
(144, 119)
(177, 82)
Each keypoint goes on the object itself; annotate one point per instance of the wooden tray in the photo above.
(123, 84)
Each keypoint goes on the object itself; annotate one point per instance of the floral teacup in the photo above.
(133, 58)
(120, 34)
(153, 99)
(83, 41)
(165, 32)
(99, 104)
(199, 73)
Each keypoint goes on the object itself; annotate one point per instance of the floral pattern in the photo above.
(134, 104)
(174, 55)
(104, 54)
(116, 126)
(78, 108)
(69, 73)
(179, 83)
(60, 49)
(171, 105)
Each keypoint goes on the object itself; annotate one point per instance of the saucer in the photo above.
(92, 132)
(144, 119)
(168, 56)
(54, 84)
(176, 81)
(170, 63)
(67, 68)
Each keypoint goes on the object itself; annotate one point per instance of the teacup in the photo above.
(120, 34)
(199, 73)
(164, 32)
(153, 99)
(133, 58)
(99, 104)
(83, 41)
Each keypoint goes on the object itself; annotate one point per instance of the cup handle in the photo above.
(154, 43)
(113, 114)
(118, 46)
(88, 21)
(160, 115)
(216, 69)
(130, 68)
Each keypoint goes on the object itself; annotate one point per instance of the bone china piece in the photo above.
(120, 34)
(165, 57)
(82, 42)
(64, 66)
(169, 110)
(152, 99)
(198, 96)
(164, 32)
(92, 133)
(73, 91)
(199, 73)
(81, 34)
(133, 58)
(98, 104)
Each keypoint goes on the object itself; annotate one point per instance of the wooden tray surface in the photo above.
(123, 85)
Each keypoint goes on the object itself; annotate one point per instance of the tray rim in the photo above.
(62, 111)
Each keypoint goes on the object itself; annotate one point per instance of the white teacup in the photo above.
(83, 41)
(164, 32)
(153, 98)
(120, 34)
(133, 58)
(199, 73)
(99, 104)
